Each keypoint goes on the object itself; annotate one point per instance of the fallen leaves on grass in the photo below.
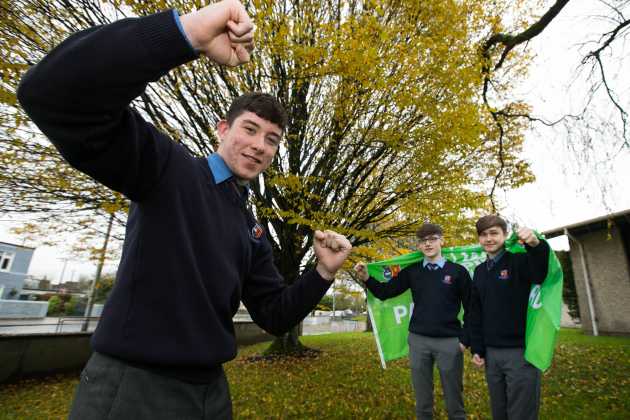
(589, 379)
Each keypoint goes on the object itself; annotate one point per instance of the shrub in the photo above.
(54, 306)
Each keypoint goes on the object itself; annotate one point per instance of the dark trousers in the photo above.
(423, 353)
(513, 384)
(112, 389)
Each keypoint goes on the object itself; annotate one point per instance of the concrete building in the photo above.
(600, 255)
(14, 263)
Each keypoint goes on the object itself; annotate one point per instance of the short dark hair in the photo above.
(262, 104)
(489, 221)
(428, 229)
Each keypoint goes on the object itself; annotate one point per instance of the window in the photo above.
(6, 259)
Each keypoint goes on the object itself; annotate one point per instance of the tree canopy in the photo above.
(386, 123)
(399, 112)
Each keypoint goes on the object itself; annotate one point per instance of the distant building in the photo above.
(14, 263)
(600, 255)
(72, 287)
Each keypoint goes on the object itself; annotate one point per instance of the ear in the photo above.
(222, 128)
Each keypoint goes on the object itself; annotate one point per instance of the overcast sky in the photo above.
(571, 188)
(567, 189)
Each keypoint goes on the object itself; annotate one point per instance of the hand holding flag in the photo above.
(362, 273)
(527, 236)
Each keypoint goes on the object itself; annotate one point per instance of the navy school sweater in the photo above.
(500, 295)
(190, 252)
(438, 296)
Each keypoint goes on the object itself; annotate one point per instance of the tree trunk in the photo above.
(368, 324)
(288, 264)
(287, 344)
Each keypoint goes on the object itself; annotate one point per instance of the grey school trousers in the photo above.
(423, 352)
(513, 384)
(112, 389)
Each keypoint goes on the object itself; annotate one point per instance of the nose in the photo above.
(258, 144)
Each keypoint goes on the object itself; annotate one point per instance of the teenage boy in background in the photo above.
(498, 313)
(439, 289)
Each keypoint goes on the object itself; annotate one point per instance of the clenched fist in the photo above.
(527, 236)
(221, 31)
(331, 250)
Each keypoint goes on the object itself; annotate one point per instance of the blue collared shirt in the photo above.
(220, 171)
(492, 261)
(440, 262)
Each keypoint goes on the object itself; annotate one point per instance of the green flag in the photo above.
(390, 318)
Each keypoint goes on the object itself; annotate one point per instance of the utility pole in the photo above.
(99, 270)
(63, 270)
(333, 290)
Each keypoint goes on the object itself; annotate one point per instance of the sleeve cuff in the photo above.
(370, 282)
(322, 284)
(165, 43)
(480, 351)
(541, 248)
(178, 22)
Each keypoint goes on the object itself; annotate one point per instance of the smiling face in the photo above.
(492, 240)
(248, 145)
(431, 246)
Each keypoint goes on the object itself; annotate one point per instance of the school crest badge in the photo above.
(257, 231)
(390, 272)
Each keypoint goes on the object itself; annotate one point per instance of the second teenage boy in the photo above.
(498, 314)
(439, 288)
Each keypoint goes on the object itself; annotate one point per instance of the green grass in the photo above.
(589, 379)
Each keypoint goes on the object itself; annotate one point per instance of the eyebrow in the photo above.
(245, 121)
(276, 135)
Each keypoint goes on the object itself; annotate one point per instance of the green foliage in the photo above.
(70, 306)
(348, 298)
(103, 289)
(54, 306)
(588, 380)
(326, 303)
(59, 305)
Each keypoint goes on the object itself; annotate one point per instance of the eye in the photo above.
(250, 130)
(273, 141)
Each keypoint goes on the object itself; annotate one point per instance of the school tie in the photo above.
(432, 267)
(241, 193)
(490, 263)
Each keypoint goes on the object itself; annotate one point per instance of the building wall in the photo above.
(14, 278)
(37, 354)
(20, 309)
(610, 280)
